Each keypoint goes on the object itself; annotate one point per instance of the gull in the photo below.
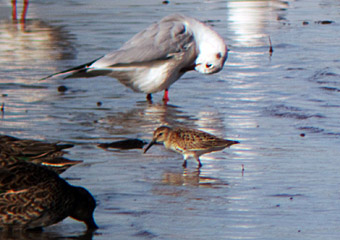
(153, 59)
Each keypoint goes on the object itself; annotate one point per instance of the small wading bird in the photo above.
(156, 57)
(188, 142)
(33, 197)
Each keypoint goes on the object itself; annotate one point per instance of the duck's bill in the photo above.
(91, 224)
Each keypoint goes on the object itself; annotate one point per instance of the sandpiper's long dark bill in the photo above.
(188, 142)
(155, 58)
(149, 145)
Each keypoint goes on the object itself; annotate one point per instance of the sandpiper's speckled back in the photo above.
(196, 140)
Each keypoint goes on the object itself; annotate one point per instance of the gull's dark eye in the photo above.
(208, 65)
(218, 55)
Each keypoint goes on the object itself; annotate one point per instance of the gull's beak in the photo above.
(149, 146)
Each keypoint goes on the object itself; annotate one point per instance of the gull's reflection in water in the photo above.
(145, 117)
(191, 178)
(46, 235)
(28, 49)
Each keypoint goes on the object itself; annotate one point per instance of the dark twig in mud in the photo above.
(271, 50)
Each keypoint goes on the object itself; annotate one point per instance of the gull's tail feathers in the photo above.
(76, 72)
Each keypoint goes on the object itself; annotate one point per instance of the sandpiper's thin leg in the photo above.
(184, 164)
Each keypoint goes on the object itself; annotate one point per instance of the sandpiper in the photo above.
(33, 197)
(188, 142)
(158, 56)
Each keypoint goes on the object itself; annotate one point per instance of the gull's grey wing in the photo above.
(163, 40)
(157, 42)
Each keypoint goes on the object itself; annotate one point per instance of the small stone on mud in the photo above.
(302, 135)
(62, 88)
(99, 104)
(324, 22)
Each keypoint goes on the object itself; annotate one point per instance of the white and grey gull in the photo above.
(158, 56)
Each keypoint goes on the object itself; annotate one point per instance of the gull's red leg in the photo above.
(166, 95)
(14, 10)
(24, 11)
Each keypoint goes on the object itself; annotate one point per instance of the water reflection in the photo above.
(27, 50)
(147, 117)
(36, 44)
(249, 19)
(191, 178)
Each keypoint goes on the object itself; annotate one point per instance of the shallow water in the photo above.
(283, 109)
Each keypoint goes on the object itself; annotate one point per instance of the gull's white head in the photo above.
(213, 52)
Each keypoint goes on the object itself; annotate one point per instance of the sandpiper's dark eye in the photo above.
(160, 134)
(208, 65)
(218, 55)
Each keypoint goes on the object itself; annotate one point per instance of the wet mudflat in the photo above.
(284, 109)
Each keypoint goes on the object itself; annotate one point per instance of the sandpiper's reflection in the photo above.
(191, 178)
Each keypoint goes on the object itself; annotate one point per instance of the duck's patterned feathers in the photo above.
(14, 150)
(31, 148)
(32, 196)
